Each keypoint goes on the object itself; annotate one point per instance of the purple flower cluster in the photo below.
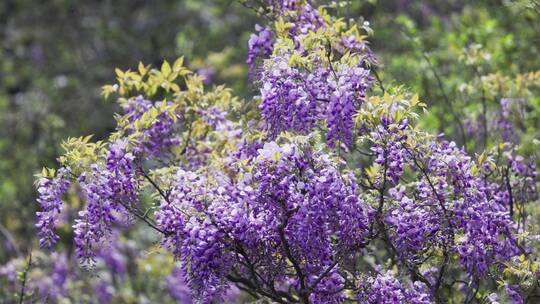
(196, 242)
(389, 141)
(170, 220)
(296, 203)
(181, 292)
(122, 180)
(260, 44)
(386, 289)
(350, 44)
(296, 99)
(317, 209)
(95, 222)
(450, 207)
(485, 225)
(109, 193)
(205, 261)
(286, 104)
(298, 206)
(156, 138)
(513, 295)
(346, 95)
(50, 203)
(303, 16)
(416, 224)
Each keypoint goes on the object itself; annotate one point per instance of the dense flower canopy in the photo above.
(323, 191)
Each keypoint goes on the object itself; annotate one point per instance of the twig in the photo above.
(9, 237)
(509, 188)
(290, 257)
(379, 80)
(328, 56)
(446, 99)
(24, 279)
(249, 285)
(446, 259)
(145, 219)
(161, 192)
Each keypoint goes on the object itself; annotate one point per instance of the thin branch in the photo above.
(334, 264)
(161, 192)
(290, 257)
(447, 99)
(379, 80)
(249, 285)
(328, 56)
(145, 219)
(266, 11)
(449, 223)
(509, 188)
(25, 277)
(484, 120)
(186, 142)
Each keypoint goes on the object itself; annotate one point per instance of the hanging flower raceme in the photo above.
(416, 222)
(122, 180)
(153, 124)
(110, 192)
(389, 148)
(50, 203)
(303, 83)
(193, 237)
(296, 99)
(260, 45)
(95, 222)
(347, 93)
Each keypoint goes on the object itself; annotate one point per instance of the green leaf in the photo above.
(178, 64)
(165, 68)
(142, 69)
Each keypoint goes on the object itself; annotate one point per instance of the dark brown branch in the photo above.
(161, 192)
(509, 188)
(415, 274)
(144, 218)
(328, 56)
(281, 231)
(249, 285)
(449, 223)
(337, 259)
(379, 80)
